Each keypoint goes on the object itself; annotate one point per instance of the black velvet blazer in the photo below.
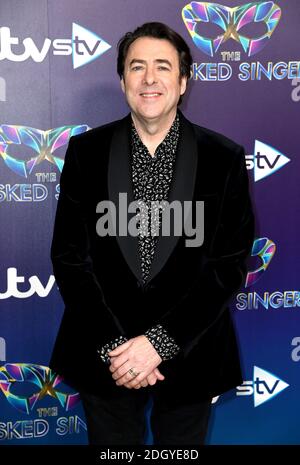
(188, 289)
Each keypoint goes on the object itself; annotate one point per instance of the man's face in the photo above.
(151, 80)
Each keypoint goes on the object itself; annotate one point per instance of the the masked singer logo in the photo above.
(43, 143)
(231, 21)
(44, 382)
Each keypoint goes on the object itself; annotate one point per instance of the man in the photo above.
(147, 314)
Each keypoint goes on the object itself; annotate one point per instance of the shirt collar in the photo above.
(170, 139)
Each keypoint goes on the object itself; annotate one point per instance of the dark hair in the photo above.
(157, 31)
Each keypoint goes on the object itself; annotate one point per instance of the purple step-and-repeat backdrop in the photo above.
(58, 78)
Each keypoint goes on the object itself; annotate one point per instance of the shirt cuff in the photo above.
(162, 342)
(103, 351)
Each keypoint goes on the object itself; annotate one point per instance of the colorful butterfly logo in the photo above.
(265, 249)
(231, 21)
(44, 144)
(44, 383)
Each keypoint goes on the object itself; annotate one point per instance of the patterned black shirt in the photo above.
(151, 177)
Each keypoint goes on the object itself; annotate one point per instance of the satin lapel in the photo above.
(181, 189)
(119, 181)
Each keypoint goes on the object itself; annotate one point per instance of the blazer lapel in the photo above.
(120, 181)
(181, 189)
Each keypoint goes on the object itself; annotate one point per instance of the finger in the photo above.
(132, 382)
(122, 381)
(143, 383)
(127, 385)
(118, 350)
(123, 372)
(118, 361)
(145, 380)
(128, 378)
(151, 379)
(138, 386)
(158, 374)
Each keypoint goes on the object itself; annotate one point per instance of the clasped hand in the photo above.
(139, 354)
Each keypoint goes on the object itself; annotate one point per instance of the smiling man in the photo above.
(147, 316)
(153, 85)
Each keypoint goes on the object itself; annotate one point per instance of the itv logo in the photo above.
(85, 46)
(35, 286)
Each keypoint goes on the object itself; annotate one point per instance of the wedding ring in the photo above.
(132, 372)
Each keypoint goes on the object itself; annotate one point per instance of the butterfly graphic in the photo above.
(265, 249)
(43, 380)
(43, 143)
(231, 21)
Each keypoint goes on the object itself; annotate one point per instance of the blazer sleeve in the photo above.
(225, 270)
(70, 254)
